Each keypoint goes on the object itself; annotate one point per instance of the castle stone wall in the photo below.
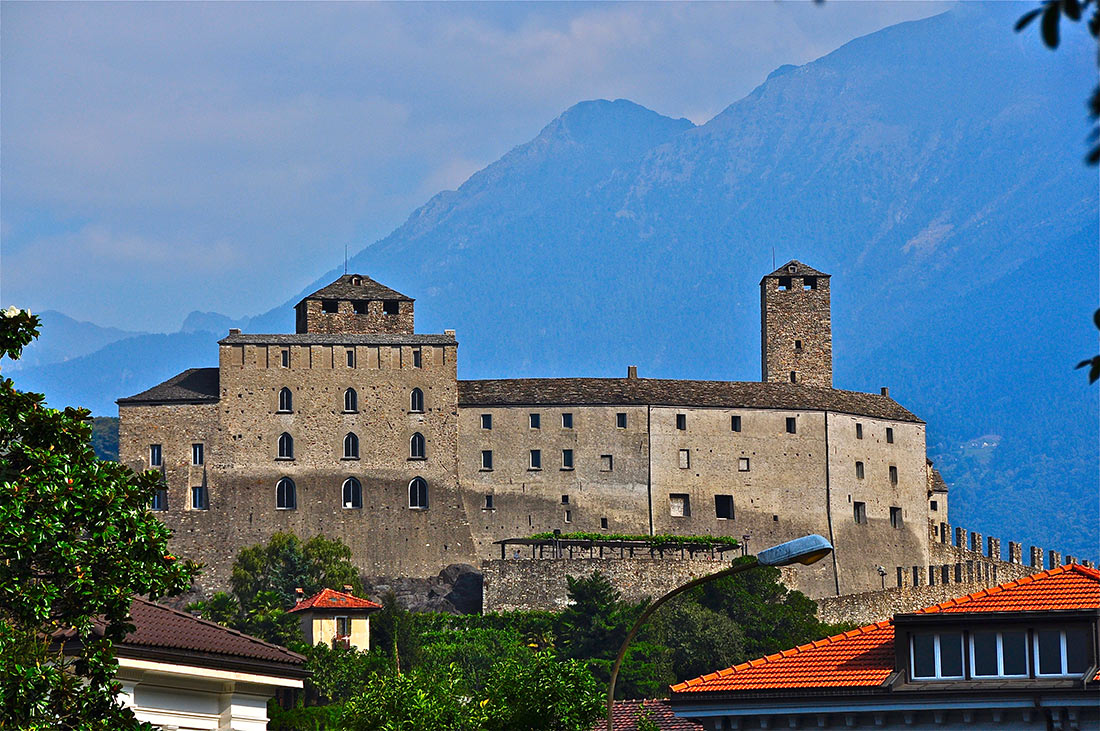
(796, 328)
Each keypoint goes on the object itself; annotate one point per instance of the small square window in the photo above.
(536, 459)
(798, 346)
(681, 421)
(285, 356)
(792, 425)
(735, 423)
(486, 459)
(605, 463)
(679, 505)
(895, 517)
(160, 499)
(564, 499)
(154, 455)
(603, 523)
(567, 459)
(566, 421)
(350, 358)
(935, 506)
(784, 284)
(620, 420)
(330, 306)
(889, 435)
(893, 475)
(197, 456)
(488, 503)
(391, 307)
(742, 464)
(723, 507)
(486, 421)
(417, 359)
(535, 421)
(809, 283)
(199, 498)
(859, 512)
(859, 431)
(360, 307)
(685, 459)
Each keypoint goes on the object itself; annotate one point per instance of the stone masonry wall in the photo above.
(346, 320)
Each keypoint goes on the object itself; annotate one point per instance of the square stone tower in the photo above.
(796, 336)
(354, 304)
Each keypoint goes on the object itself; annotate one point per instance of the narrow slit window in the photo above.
(603, 523)
(735, 423)
(488, 503)
(284, 357)
(792, 425)
(568, 516)
(681, 422)
(418, 361)
(895, 517)
(859, 431)
(794, 377)
(859, 470)
(889, 435)
(198, 458)
(893, 475)
(487, 459)
(155, 458)
(350, 355)
(620, 420)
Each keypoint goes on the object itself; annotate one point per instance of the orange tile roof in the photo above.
(864, 657)
(332, 599)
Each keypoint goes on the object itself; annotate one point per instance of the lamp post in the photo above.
(805, 550)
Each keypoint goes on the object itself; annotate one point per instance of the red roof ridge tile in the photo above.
(1008, 585)
(327, 594)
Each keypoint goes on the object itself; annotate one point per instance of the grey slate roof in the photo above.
(367, 289)
(661, 392)
(339, 339)
(193, 386)
(800, 270)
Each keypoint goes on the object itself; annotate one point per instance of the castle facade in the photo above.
(357, 427)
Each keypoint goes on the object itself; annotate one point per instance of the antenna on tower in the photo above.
(346, 258)
(773, 260)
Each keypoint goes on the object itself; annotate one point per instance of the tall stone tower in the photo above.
(796, 335)
(354, 304)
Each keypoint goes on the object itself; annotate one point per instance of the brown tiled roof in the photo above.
(626, 714)
(800, 270)
(367, 289)
(193, 386)
(330, 599)
(661, 392)
(938, 483)
(338, 339)
(163, 633)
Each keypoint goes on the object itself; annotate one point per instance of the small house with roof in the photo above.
(336, 618)
(1022, 655)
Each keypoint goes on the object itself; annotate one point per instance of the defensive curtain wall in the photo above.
(357, 427)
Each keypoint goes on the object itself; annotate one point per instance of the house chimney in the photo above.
(299, 594)
(450, 333)
(885, 391)
(632, 372)
(347, 588)
(234, 331)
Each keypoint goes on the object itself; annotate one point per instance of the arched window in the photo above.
(286, 446)
(416, 446)
(352, 493)
(286, 495)
(418, 494)
(351, 400)
(416, 400)
(286, 400)
(351, 446)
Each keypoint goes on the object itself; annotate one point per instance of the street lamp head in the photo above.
(805, 550)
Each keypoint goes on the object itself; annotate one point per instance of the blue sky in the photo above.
(160, 158)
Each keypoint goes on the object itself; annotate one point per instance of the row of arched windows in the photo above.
(351, 401)
(351, 494)
(417, 446)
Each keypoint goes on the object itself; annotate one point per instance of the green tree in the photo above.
(537, 692)
(77, 542)
(411, 701)
(700, 640)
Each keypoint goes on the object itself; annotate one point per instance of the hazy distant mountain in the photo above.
(211, 322)
(64, 338)
(933, 168)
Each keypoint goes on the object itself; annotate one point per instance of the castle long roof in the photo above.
(193, 386)
(864, 657)
(366, 289)
(664, 392)
(338, 339)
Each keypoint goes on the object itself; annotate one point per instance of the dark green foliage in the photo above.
(303, 718)
(540, 693)
(105, 437)
(77, 542)
(411, 701)
(392, 631)
(701, 640)
(340, 673)
(264, 580)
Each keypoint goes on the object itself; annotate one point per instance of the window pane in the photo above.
(924, 656)
(1050, 652)
(1014, 650)
(1077, 651)
(951, 657)
(985, 653)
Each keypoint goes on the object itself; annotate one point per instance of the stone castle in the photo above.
(357, 427)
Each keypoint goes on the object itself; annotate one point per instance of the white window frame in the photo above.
(1065, 655)
(534, 421)
(487, 460)
(567, 420)
(156, 455)
(567, 464)
(535, 460)
(487, 421)
(1000, 657)
(198, 454)
(936, 659)
(200, 490)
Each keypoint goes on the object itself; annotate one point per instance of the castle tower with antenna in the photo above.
(796, 336)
